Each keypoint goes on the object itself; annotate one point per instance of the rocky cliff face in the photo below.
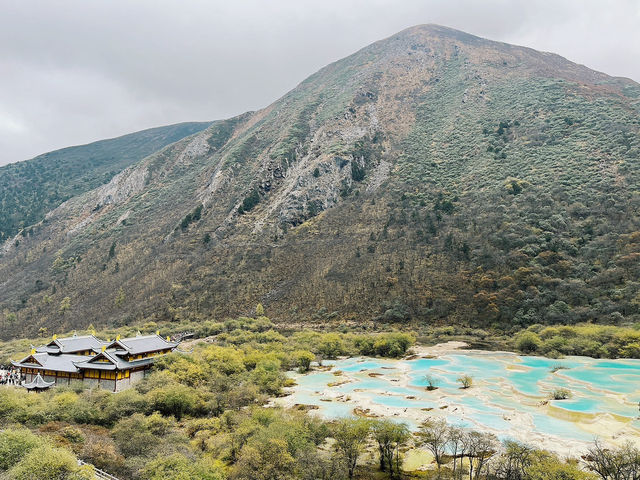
(30, 189)
(432, 175)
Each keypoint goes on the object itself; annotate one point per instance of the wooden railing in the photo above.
(182, 336)
(100, 474)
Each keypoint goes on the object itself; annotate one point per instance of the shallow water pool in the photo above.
(510, 395)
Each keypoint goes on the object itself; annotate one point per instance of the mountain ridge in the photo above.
(29, 184)
(371, 190)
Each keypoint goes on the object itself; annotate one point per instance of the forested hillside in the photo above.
(29, 189)
(433, 177)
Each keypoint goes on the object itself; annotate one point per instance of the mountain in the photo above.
(28, 190)
(433, 176)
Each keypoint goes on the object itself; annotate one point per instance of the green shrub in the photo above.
(179, 467)
(546, 466)
(528, 342)
(15, 443)
(560, 394)
(466, 381)
(303, 359)
(138, 435)
(174, 400)
(52, 463)
(393, 344)
(331, 345)
(249, 202)
(357, 172)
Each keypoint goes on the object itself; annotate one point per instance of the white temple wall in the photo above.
(137, 376)
(108, 384)
(123, 384)
(91, 382)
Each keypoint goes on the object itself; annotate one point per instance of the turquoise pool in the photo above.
(509, 396)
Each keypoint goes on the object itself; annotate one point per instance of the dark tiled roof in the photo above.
(114, 362)
(75, 344)
(61, 363)
(58, 354)
(147, 343)
(36, 383)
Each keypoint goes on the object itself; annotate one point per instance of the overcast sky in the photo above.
(72, 72)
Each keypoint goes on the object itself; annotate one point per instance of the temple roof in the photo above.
(58, 354)
(73, 344)
(60, 363)
(142, 344)
(113, 362)
(38, 383)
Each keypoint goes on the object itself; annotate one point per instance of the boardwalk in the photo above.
(99, 474)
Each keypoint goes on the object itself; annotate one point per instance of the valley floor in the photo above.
(510, 395)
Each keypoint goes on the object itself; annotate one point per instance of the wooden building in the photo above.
(113, 365)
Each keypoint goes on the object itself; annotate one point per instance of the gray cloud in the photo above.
(74, 71)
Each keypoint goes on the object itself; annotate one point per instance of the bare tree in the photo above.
(480, 447)
(455, 446)
(432, 382)
(621, 463)
(466, 381)
(390, 436)
(320, 467)
(433, 434)
(351, 437)
(514, 461)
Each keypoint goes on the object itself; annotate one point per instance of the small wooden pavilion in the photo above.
(38, 384)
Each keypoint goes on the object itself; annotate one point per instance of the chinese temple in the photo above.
(113, 365)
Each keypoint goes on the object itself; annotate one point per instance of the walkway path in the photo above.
(100, 474)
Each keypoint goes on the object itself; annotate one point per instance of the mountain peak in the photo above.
(439, 38)
(433, 174)
(433, 29)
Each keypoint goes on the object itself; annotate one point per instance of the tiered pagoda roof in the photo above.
(73, 354)
(72, 345)
(114, 361)
(64, 362)
(38, 383)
